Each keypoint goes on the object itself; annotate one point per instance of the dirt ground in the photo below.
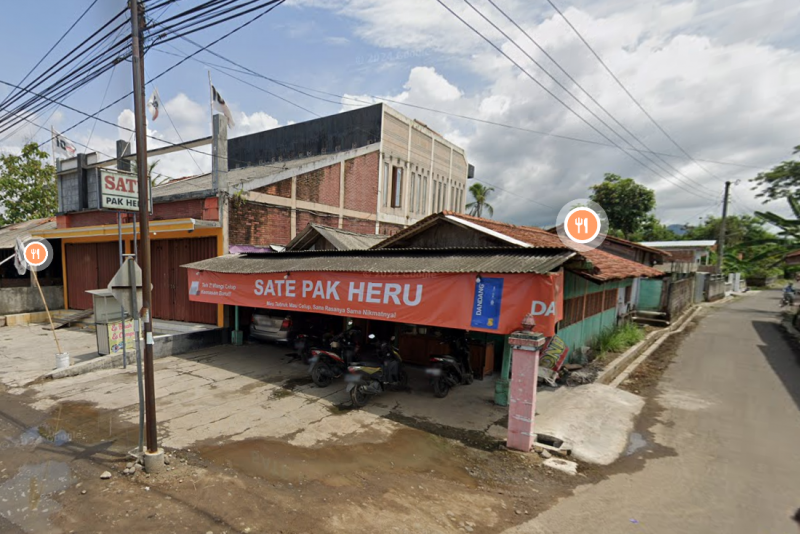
(424, 478)
(415, 482)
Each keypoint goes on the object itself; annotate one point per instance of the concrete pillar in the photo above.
(526, 346)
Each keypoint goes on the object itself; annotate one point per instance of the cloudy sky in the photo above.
(719, 77)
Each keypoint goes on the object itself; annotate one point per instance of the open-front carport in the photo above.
(480, 290)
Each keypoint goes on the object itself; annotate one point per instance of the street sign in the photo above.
(129, 275)
(119, 190)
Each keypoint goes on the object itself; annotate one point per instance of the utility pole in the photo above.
(154, 457)
(721, 244)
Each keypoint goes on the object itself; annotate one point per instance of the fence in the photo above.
(680, 295)
(715, 287)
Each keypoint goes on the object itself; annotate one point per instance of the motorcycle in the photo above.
(788, 298)
(368, 379)
(330, 363)
(303, 345)
(449, 371)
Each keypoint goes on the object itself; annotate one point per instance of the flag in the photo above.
(61, 144)
(19, 257)
(154, 104)
(218, 103)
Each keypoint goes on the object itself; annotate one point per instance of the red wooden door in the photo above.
(162, 292)
(89, 266)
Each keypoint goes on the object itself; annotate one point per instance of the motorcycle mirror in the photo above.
(392, 338)
(372, 336)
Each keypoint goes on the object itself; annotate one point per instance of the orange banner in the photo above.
(491, 303)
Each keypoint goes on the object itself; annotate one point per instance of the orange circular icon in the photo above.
(35, 254)
(582, 225)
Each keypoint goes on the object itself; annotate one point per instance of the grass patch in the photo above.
(617, 339)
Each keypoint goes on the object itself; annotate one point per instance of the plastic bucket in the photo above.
(62, 360)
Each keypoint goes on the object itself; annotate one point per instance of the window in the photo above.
(387, 180)
(397, 187)
(412, 194)
(573, 311)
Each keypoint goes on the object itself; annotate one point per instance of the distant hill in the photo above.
(678, 229)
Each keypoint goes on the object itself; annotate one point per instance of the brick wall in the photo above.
(320, 186)
(360, 226)
(181, 209)
(389, 229)
(361, 183)
(279, 189)
(252, 223)
(303, 218)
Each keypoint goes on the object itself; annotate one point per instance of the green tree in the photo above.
(750, 248)
(781, 181)
(154, 176)
(480, 193)
(653, 230)
(27, 186)
(626, 203)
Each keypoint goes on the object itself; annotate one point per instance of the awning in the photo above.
(171, 225)
(489, 290)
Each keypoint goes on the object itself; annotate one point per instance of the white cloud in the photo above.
(723, 95)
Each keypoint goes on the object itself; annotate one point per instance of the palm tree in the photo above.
(481, 194)
(154, 177)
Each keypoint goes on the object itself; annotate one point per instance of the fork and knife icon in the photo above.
(582, 221)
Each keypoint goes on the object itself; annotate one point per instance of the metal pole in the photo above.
(137, 60)
(137, 332)
(721, 244)
(121, 307)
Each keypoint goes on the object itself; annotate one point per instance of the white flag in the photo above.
(218, 103)
(19, 257)
(154, 104)
(62, 145)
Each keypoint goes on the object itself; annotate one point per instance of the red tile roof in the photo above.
(607, 267)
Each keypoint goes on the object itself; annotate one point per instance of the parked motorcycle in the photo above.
(449, 371)
(788, 296)
(303, 345)
(332, 362)
(368, 379)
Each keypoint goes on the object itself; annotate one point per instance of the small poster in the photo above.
(486, 306)
(554, 354)
(115, 338)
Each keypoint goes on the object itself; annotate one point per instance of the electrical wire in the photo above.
(625, 89)
(559, 100)
(689, 181)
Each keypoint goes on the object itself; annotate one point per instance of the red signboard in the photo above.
(491, 303)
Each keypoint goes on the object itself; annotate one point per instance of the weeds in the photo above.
(617, 339)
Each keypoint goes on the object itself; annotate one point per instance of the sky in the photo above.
(719, 77)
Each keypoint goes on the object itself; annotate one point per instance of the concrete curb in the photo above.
(675, 328)
(617, 366)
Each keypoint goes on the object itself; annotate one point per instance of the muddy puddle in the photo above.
(335, 465)
(85, 424)
(26, 499)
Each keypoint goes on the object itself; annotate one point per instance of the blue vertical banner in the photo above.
(486, 305)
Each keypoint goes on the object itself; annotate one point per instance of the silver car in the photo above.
(275, 326)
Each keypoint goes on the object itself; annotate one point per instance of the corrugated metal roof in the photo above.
(8, 234)
(182, 186)
(341, 239)
(680, 244)
(401, 261)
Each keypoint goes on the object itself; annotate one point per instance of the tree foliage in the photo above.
(480, 193)
(627, 204)
(781, 181)
(27, 186)
(652, 229)
(749, 247)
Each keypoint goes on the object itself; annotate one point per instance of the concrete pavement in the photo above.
(723, 443)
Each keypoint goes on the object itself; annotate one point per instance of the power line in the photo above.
(63, 36)
(302, 89)
(573, 80)
(555, 97)
(622, 86)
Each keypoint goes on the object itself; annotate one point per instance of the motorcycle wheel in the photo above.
(469, 379)
(321, 374)
(441, 388)
(358, 397)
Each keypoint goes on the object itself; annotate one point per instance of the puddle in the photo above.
(84, 423)
(635, 443)
(38, 435)
(337, 465)
(25, 499)
(294, 383)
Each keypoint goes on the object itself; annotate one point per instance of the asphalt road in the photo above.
(724, 432)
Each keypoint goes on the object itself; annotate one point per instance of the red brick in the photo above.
(252, 223)
(361, 183)
(320, 186)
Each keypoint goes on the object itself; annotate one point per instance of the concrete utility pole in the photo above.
(721, 243)
(154, 458)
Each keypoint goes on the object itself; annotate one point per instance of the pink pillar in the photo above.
(525, 346)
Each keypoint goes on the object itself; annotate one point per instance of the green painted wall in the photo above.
(650, 295)
(581, 333)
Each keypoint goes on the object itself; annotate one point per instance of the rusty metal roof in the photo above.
(400, 261)
(24, 230)
(340, 239)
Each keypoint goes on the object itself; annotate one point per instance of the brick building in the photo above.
(369, 171)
